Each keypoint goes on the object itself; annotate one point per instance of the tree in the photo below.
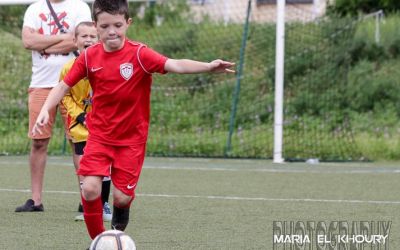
(355, 7)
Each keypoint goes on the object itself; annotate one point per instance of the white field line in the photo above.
(243, 169)
(283, 170)
(211, 197)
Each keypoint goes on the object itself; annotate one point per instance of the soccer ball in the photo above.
(113, 240)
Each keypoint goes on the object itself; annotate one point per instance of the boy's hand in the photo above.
(42, 120)
(220, 66)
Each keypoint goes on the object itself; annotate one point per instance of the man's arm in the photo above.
(54, 98)
(32, 40)
(186, 66)
(65, 46)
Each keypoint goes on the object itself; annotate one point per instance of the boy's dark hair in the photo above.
(84, 23)
(112, 7)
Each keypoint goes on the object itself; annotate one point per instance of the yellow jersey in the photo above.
(78, 100)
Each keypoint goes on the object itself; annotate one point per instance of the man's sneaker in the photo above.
(29, 206)
(107, 215)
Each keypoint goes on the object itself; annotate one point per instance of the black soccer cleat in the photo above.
(29, 206)
(120, 218)
(80, 208)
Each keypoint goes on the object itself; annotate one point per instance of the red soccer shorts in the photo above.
(122, 163)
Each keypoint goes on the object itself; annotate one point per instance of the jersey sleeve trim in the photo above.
(138, 57)
(87, 69)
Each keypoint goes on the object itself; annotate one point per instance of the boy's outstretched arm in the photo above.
(54, 98)
(186, 66)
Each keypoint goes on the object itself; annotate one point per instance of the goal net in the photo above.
(219, 115)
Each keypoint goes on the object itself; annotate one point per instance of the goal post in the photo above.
(279, 82)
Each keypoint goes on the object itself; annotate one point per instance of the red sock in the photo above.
(93, 214)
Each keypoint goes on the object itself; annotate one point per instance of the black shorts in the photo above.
(79, 146)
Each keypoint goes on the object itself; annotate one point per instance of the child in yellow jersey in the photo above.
(78, 102)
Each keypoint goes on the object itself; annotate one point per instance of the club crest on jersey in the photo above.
(126, 70)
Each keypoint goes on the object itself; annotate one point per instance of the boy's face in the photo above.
(112, 30)
(85, 37)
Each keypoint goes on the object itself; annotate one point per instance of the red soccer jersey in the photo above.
(121, 82)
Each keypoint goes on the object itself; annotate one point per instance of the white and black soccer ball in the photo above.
(113, 240)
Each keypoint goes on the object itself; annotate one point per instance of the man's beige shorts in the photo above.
(37, 97)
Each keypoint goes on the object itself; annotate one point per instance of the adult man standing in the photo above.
(51, 49)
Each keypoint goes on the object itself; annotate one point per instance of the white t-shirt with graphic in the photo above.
(46, 67)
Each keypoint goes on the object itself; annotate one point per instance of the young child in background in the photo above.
(78, 103)
(120, 73)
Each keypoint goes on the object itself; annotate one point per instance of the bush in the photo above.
(373, 88)
(356, 7)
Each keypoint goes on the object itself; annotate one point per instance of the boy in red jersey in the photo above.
(120, 72)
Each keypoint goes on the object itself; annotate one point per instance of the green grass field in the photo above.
(204, 203)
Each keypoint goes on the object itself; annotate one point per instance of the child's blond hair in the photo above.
(86, 23)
